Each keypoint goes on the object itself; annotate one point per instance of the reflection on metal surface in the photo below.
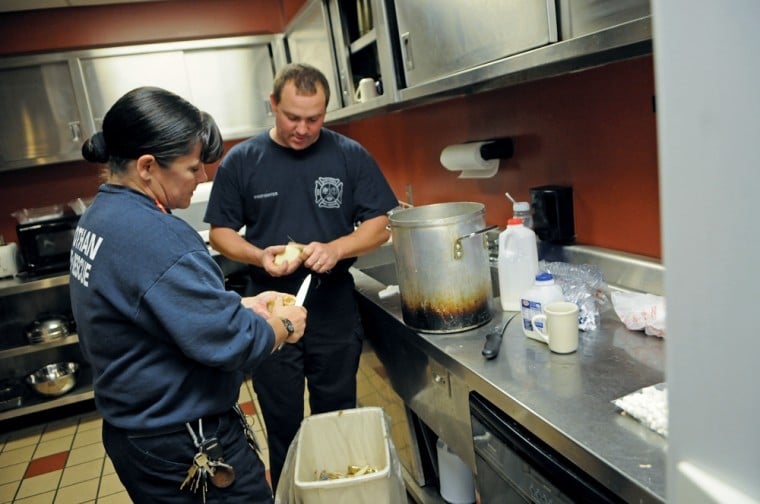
(38, 106)
(440, 37)
(563, 400)
(374, 389)
(309, 40)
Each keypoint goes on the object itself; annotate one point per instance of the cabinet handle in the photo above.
(407, 50)
(75, 129)
(344, 84)
(439, 379)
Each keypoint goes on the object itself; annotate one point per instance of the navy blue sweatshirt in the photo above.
(166, 341)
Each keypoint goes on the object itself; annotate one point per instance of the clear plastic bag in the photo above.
(641, 311)
(582, 284)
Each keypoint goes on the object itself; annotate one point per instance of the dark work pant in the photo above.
(329, 365)
(152, 467)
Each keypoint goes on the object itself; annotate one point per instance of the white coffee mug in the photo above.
(9, 262)
(365, 90)
(560, 326)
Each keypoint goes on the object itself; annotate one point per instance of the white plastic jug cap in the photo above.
(521, 206)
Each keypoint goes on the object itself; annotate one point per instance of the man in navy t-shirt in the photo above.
(300, 182)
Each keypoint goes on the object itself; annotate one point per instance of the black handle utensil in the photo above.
(493, 340)
(493, 344)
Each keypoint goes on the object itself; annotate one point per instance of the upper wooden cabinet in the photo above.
(53, 102)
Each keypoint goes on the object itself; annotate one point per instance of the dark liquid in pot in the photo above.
(446, 318)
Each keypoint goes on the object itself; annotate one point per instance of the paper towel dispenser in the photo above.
(477, 159)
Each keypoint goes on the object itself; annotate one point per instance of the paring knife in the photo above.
(300, 296)
(302, 290)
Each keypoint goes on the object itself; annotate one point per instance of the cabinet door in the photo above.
(363, 49)
(309, 40)
(233, 85)
(580, 17)
(107, 78)
(41, 121)
(440, 37)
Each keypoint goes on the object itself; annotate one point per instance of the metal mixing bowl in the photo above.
(54, 380)
(47, 328)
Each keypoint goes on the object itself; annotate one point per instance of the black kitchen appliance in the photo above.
(515, 466)
(553, 219)
(46, 245)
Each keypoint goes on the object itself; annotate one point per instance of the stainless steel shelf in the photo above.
(34, 403)
(365, 40)
(9, 353)
(18, 285)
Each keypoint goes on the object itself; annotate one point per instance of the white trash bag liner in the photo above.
(331, 442)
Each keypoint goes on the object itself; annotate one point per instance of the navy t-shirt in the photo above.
(281, 194)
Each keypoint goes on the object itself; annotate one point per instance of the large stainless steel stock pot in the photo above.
(442, 266)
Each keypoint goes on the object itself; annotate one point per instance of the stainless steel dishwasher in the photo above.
(514, 466)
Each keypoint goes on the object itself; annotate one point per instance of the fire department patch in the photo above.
(328, 192)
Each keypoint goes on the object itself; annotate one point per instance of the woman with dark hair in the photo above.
(168, 345)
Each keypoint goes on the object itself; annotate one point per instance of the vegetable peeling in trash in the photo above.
(351, 472)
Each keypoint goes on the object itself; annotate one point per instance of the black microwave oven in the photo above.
(45, 246)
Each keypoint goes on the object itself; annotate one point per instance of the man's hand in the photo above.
(275, 267)
(320, 257)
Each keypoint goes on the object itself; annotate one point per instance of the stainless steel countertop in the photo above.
(564, 399)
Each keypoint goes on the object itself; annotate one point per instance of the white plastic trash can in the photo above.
(333, 442)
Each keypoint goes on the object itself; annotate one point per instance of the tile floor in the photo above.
(64, 462)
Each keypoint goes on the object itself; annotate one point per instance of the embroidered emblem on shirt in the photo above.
(328, 192)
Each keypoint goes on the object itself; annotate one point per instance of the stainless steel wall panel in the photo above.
(581, 17)
(41, 121)
(440, 37)
(309, 40)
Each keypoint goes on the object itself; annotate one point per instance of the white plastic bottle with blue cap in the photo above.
(544, 291)
(517, 263)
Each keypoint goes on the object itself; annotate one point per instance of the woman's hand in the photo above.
(260, 303)
(271, 306)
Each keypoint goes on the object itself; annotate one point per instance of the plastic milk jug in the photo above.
(543, 292)
(517, 263)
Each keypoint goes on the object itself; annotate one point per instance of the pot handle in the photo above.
(459, 251)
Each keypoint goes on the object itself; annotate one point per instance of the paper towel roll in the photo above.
(467, 159)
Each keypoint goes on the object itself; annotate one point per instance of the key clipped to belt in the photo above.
(208, 464)
(222, 475)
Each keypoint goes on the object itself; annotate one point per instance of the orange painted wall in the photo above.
(137, 23)
(594, 130)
